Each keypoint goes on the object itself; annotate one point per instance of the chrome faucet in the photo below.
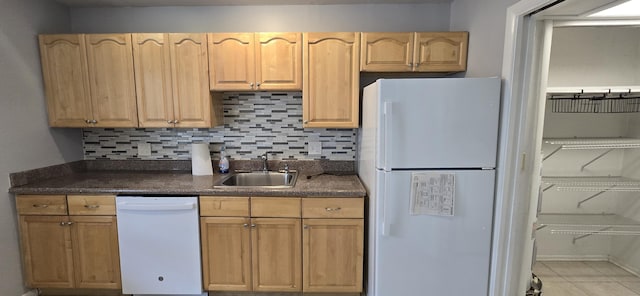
(264, 158)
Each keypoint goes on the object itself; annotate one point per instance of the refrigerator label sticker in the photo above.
(432, 194)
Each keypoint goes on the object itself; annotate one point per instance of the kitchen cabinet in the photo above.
(331, 78)
(257, 244)
(69, 246)
(333, 244)
(255, 61)
(172, 81)
(89, 80)
(414, 51)
(251, 245)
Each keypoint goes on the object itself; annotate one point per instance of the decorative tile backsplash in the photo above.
(254, 123)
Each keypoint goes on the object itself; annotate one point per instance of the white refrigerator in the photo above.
(427, 158)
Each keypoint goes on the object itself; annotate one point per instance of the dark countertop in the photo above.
(87, 178)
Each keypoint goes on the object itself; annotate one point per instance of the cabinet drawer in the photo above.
(92, 204)
(333, 208)
(275, 207)
(41, 204)
(224, 206)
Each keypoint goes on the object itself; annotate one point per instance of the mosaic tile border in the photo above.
(254, 123)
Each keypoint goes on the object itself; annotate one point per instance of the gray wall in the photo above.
(485, 20)
(26, 140)
(291, 18)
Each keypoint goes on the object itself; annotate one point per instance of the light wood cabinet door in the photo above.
(278, 61)
(111, 80)
(441, 51)
(387, 52)
(333, 255)
(154, 95)
(95, 252)
(47, 251)
(64, 71)
(226, 253)
(231, 61)
(331, 76)
(276, 254)
(190, 76)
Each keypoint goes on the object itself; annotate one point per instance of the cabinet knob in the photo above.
(245, 225)
(69, 223)
(305, 226)
(170, 121)
(87, 121)
(253, 226)
(305, 122)
(94, 121)
(176, 121)
(251, 85)
(258, 84)
(63, 223)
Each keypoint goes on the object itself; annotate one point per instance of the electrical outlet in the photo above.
(144, 149)
(315, 148)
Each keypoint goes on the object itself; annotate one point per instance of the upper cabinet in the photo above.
(111, 80)
(414, 52)
(89, 80)
(331, 77)
(172, 81)
(255, 61)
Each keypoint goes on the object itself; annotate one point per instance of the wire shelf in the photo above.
(585, 225)
(591, 184)
(594, 143)
(594, 100)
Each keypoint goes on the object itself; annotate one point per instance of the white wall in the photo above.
(26, 141)
(296, 18)
(485, 20)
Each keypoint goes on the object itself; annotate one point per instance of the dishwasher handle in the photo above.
(137, 206)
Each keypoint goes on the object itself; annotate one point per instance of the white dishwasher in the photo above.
(159, 239)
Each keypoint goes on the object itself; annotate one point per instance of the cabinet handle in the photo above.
(63, 223)
(253, 226)
(305, 122)
(169, 121)
(251, 85)
(41, 206)
(91, 206)
(305, 226)
(94, 121)
(87, 121)
(333, 209)
(176, 121)
(69, 223)
(258, 84)
(245, 225)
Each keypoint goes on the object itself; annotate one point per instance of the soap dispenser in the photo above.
(223, 165)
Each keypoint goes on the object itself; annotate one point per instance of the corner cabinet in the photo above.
(242, 237)
(414, 51)
(69, 241)
(331, 80)
(89, 80)
(255, 61)
(172, 81)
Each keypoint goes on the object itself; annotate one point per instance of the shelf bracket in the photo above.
(593, 160)
(577, 238)
(541, 227)
(548, 187)
(593, 196)
(552, 153)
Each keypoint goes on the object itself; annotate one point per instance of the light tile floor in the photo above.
(585, 278)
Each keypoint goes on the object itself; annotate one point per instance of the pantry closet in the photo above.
(588, 222)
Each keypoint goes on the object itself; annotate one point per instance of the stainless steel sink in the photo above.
(266, 179)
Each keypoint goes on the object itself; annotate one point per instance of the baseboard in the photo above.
(572, 258)
(628, 268)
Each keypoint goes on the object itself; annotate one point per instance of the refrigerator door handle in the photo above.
(388, 142)
(385, 225)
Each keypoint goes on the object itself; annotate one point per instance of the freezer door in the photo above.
(433, 255)
(437, 123)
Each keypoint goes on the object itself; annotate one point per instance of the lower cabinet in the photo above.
(259, 244)
(63, 250)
